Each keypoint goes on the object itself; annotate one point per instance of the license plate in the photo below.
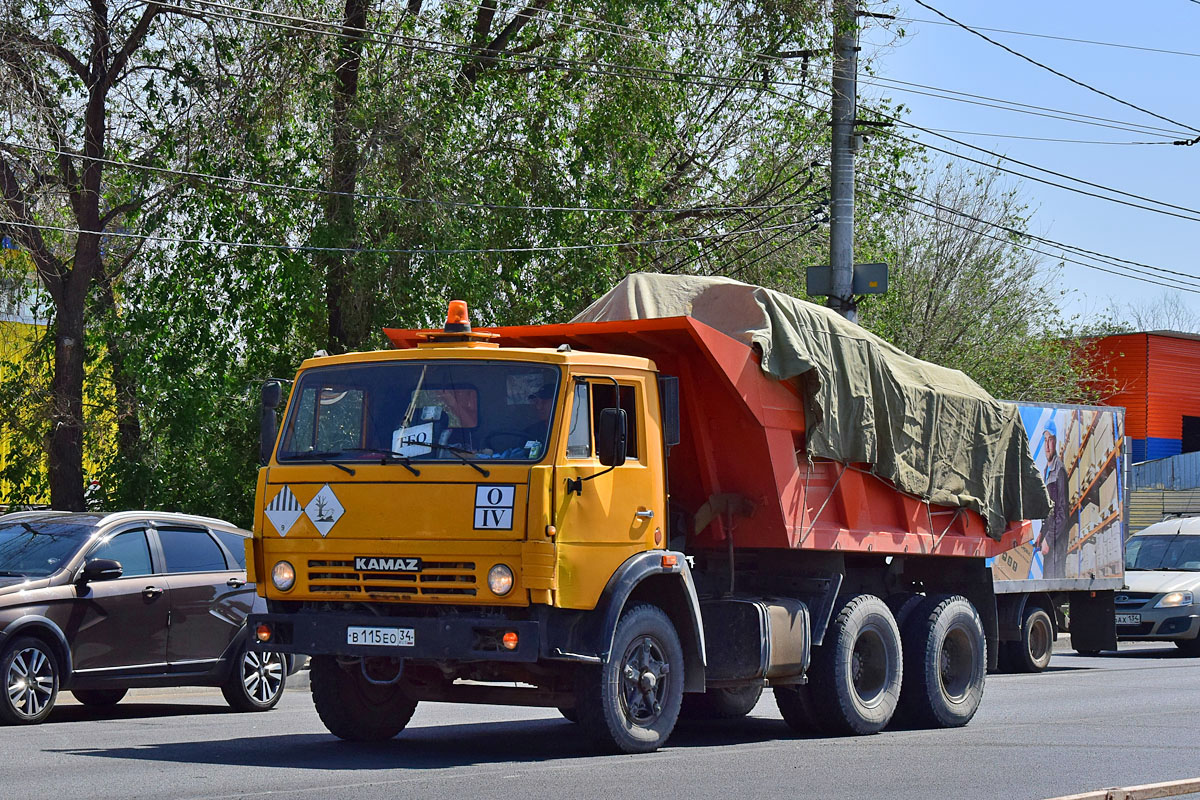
(384, 637)
(1129, 619)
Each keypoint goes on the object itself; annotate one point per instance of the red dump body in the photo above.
(742, 439)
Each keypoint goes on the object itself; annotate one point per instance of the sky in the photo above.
(950, 58)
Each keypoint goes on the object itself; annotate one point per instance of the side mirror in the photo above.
(267, 425)
(100, 569)
(610, 437)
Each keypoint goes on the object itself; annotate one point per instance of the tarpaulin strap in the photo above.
(953, 519)
(832, 489)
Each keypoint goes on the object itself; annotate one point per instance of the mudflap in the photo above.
(1093, 621)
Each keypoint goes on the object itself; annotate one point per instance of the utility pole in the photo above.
(841, 162)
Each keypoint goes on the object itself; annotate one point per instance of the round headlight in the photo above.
(283, 575)
(500, 580)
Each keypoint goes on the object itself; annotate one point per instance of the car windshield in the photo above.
(1176, 552)
(37, 548)
(421, 411)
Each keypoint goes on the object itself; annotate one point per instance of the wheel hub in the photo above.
(644, 675)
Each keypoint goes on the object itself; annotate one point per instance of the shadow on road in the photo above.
(131, 710)
(422, 748)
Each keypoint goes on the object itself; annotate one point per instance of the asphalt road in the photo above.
(1088, 723)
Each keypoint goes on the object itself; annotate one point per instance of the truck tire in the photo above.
(630, 703)
(945, 663)
(857, 672)
(1032, 653)
(796, 707)
(724, 703)
(352, 707)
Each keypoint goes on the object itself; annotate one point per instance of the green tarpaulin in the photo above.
(930, 430)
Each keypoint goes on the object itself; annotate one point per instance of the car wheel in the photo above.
(99, 698)
(30, 671)
(354, 708)
(256, 682)
(630, 703)
(945, 663)
(568, 714)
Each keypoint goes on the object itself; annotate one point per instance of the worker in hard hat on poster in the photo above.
(1052, 539)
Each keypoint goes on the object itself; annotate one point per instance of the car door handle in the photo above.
(644, 513)
(150, 592)
(235, 582)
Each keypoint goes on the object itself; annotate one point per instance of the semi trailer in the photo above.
(695, 490)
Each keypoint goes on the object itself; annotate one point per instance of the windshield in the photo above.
(1163, 552)
(36, 549)
(421, 411)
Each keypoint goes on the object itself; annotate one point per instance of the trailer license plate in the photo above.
(385, 637)
(1129, 619)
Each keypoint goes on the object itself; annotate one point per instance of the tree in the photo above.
(1166, 312)
(964, 292)
(84, 83)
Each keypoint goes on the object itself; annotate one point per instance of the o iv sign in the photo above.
(494, 507)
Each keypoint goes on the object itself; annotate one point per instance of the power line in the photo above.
(1039, 138)
(395, 250)
(1062, 75)
(1115, 261)
(1055, 38)
(1034, 110)
(1056, 174)
(396, 198)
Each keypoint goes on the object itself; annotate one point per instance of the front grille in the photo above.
(1135, 630)
(1132, 600)
(436, 578)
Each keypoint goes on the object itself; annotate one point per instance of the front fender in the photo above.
(644, 578)
(30, 623)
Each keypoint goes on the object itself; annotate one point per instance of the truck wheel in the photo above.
(352, 707)
(30, 672)
(723, 703)
(796, 706)
(1032, 652)
(857, 672)
(99, 698)
(945, 663)
(630, 703)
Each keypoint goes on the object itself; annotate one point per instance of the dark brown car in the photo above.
(102, 603)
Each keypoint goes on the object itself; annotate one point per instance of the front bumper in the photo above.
(1163, 624)
(438, 638)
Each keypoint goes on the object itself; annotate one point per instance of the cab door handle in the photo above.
(235, 582)
(150, 592)
(644, 513)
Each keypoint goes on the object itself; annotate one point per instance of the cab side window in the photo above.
(188, 550)
(579, 438)
(129, 548)
(602, 398)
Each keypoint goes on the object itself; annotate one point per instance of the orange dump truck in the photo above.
(627, 519)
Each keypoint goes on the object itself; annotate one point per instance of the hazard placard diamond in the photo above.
(324, 510)
(284, 510)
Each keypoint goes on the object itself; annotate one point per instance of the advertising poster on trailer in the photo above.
(1080, 455)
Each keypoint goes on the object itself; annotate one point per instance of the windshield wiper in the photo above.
(460, 453)
(326, 456)
(388, 457)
